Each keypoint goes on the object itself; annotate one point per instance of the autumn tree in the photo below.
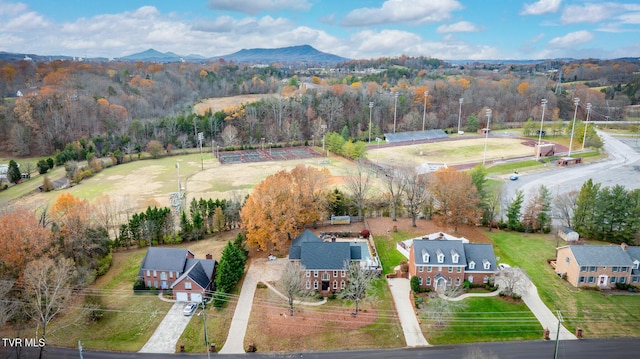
(281, 204)
(456, 197)
(154, 148)
(47, 287)
(359, 183)
(22, 240)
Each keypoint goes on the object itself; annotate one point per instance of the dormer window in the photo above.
(440, 256)
(636, 264)
(472, 265)
(486, 264)
(425, 256)
(455, 257)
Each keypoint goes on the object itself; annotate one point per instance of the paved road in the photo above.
(166, 336)
(401, 292)
(260, 270)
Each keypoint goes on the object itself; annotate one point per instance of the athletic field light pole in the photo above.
(460, 113)
(395, 111)
(424, 113)
(370, 110)
(586, 124)
(576, 101)
(486, 135)
(544, 105)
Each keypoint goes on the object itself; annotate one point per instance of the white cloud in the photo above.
(541, 7)
(571, 39)
(460, 26)
(253, 7)
(12, 9)
(590, 13)
(402, 11)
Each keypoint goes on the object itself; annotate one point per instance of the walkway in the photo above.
(401, 293)
(296, 302)
(166, 336)
(260, 270)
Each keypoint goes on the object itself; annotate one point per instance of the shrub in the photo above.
(95, 307)
(415, 284)
(365, 233)
(139, 284)
(47, 185)
(516, 296)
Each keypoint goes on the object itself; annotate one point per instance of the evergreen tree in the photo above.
(513, 212)
(13, 173)
(230, 270)
(584, 214)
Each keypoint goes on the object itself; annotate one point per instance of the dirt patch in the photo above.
(384, 225)
(220, 103)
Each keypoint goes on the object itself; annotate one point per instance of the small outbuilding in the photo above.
(568, 234)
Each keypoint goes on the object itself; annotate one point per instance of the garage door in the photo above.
(196, 297)
(182, 297)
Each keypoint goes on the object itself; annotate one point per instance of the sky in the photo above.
(355, 29)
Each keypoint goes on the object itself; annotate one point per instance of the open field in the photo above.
(220, 103)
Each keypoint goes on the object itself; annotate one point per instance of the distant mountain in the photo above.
(292, 54)
(151, 55)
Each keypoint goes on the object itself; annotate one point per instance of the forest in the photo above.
(115, 108)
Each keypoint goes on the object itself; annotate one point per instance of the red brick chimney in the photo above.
(209, 256)
(624, 246)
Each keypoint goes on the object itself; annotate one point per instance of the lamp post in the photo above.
(395, 111)
(460, 113)
(370, 110)
(584, 137)
(544, 105)
(576, 101)
(486, 135)
(424, 113)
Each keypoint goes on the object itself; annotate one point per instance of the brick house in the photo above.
(441, 263)
(599, 265)
(323, 264)
(179, 270)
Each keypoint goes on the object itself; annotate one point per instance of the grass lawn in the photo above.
(389, 255)
(598, 313)
(485, 319)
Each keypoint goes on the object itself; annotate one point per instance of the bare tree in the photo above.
(8, 307)
(444, 307)
(358, 283)
(291, 282)
(513, 280)
(106, 212)
(415, 191)
(492, 207)
(47, 285)
(564, 206)
(359, 183)
(395, 186)
(229, 135)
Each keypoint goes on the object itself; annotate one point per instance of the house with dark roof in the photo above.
(442, 263)
(325, 263)
(599, 265)
(178, 269)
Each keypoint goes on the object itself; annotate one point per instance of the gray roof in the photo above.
(435, 247)
(601, 256)
(166, 259)
(325, 255)
(197, 273)
(304, 237)
(208, 265)
(479, 253)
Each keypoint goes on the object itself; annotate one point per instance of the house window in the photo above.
(343, 273)
(615, 269)
(472, 265)
(581, 280)
(439, 268)
(450, 269)
(187, 285)
(429, 269)
(170, 274)
(440, 258)
(315, 273)
(315, 284)
(612, 280)
(342, 284)
(163, 275)
(449, 281)
(335, 273)
(583, 269)
(591, 279)
(458, 269)
(457, 281)
(622, 280)
(429, 281)
(487, 265)
(485, 279)
(634, 279)
(148, 273)
(325, 276)
(567, 260)
(308, 285)
(470, 279)
(636, 264)
(308, 273)
(593, 269)
(420, 280)
(148, 284)
(335, 284)
(623, 269)
(155, 274)
(420, 269)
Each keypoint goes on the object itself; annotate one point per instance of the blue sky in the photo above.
(357, 29)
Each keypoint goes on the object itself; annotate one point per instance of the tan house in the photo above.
(599, 266)
(441, 263)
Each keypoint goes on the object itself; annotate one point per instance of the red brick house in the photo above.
(178, 269)
(444, 263)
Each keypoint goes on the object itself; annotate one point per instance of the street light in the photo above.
(544, 105)
(576, 101)
(395, 111)
(486, 135)
(460, 113)
(370, 109)
(424, 113)
(584, 137)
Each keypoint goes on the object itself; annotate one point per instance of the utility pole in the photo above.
(460, 113)
(555, 351)
(486, 135)
(424, 113)
(584, 138)
(395, 111)
(544, 105)
(576, 101)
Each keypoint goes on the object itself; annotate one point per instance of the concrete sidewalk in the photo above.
(401, 293)
(166, 336)
(546, 318)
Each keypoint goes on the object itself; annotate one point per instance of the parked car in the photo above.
(189, 308)
(513, 177)
(502, 266)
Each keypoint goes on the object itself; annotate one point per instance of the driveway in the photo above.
(260, 270)
(401, 293)
(166, 336)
